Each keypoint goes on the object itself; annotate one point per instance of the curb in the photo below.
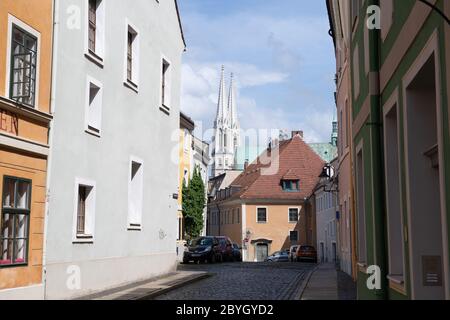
(179, 285)
(305, 283)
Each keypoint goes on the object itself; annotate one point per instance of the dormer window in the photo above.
(290, 185)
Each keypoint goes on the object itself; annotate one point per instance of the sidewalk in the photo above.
(326, 283)
(149, 289)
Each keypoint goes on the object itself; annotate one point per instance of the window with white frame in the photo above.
(135, 194)
(95, 30)
(261, 215)
(132, 57)
(23, 66)
(293, 215)
(84, 210)
(165, 84)
(94, 106)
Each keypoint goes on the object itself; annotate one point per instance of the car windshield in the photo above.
(202, 242)
(307, 248)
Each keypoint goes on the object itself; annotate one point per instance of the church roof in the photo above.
(325, 150)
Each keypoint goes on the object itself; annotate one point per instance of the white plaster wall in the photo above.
(132, 125)
(324, 232)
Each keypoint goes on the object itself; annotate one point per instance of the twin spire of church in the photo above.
(226, 126)
(226, 111)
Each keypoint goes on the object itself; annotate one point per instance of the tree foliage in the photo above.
(193, 204)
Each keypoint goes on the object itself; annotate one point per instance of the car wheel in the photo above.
(212, 259)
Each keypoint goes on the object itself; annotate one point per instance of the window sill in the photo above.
(84, 239)
(16, 265)
(362, 267)
(259, 222)
(397, 283)
(165, 109)
(93, 133)
(96, 59)
(131, 85)
(134, 228)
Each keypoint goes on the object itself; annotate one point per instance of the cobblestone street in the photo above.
(244, 281)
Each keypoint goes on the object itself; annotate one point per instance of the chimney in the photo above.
(246, 164)
(298, 132)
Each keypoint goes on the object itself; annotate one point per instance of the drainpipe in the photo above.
(376, 135)
(50, 139)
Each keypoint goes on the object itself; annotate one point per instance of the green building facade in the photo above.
(401, 147)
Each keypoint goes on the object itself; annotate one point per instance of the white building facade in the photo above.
(226, 137)
(113, 171)
(326, 225)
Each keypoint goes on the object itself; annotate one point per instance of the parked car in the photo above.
(203, 249)
(237, 255)
(293, 253)
(226, 248)
(279, 256)
(308, 253)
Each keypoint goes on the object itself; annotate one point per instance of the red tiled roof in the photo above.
(295, 160)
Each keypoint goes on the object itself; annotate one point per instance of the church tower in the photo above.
(226, 138)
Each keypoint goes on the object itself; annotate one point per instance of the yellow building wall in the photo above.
(38, 14)
(15, 123)
(34, 169)
(276, 229)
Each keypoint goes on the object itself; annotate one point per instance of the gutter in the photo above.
(50, 138)
(376, 134)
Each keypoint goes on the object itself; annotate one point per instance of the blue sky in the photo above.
(281, 55)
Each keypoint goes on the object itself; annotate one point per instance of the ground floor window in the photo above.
(293, 236)
(15, 220)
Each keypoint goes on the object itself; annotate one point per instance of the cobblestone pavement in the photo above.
(244, 281)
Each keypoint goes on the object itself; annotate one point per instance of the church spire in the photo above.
(221, 101)
(232, 105)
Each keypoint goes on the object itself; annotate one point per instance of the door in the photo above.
(333, 252)
(322, 252)
(262, 251)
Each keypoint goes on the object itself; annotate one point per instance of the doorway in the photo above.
(262, 252)
(423, 183)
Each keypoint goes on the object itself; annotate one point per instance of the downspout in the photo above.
(376, 133)
(50, 138)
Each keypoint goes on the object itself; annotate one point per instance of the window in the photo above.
(15, 220)
(94, 107)
(24, 51)
(132, 58)
(95, 30)
(84, 211)
(293, 215)
(135, 194)
(92, 24)
(360, 206)
(393, 192)
(165, 84)
(261, 215)
(290, 185)
(293, 236)
(238, 216)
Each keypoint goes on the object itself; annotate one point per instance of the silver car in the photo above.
(279, 256)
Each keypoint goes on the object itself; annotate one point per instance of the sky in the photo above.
(280, 53)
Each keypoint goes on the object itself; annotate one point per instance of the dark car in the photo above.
(237, 255)
(279, 256)
(308, 253)
(226, 248)
(203, 249)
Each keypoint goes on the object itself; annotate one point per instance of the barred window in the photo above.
(23, 67)
(15, 219)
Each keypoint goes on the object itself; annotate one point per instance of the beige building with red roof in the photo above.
(267, 207)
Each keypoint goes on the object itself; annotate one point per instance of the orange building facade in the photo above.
(25, 116)
(268, 207)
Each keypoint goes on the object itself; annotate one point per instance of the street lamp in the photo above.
(328, 176)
